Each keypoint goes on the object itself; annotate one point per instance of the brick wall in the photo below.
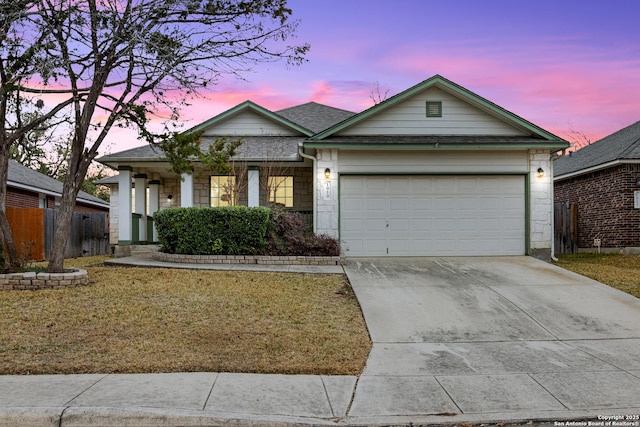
(17, 198)
(605, 206)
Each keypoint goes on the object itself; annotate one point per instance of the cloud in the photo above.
(556, 87)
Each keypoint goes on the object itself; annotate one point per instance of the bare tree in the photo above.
(377, 94)
(115, 63)
(273, 172)
(237, 183)
(578, 138)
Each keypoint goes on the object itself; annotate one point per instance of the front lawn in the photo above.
(616, 270)
(165, 320)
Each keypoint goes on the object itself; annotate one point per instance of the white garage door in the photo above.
(432, 215)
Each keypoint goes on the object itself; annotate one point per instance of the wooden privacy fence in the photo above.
(565, 217)
(28, 232)
(33, 231)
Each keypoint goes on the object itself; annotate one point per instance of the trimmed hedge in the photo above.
(233, 230)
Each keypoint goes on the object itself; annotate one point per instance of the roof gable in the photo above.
(502, 121)
(247, 119)
(620, 146)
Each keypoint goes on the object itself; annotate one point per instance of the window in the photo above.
(222, 190)
(280, 190)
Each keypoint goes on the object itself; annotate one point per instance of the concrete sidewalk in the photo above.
(475, 341)
(212, 399)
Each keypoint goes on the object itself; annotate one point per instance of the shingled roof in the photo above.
(315, 117)
(621, 146)
(23, 177)
(312, 116)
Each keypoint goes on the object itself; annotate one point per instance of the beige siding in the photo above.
(409, 118)
(248, 123)
(381, 162)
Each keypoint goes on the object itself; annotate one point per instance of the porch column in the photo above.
(124, 205)
(154, 205)
(253, 186)
(141, 205)
(186, 191)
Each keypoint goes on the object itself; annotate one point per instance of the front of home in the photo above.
(433, 171)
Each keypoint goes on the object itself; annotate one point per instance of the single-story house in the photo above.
(603, 180)
(27, 188)
(32, 199)
(436, 170)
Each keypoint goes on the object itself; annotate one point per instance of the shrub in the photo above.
(239, 230)
(233, 230)
(288, 236)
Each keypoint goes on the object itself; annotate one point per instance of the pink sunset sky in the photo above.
(563, 64)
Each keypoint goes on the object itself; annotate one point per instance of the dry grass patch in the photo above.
(165, 320)
(616, 270)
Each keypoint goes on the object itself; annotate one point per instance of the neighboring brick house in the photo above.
(27, 188)
(603, 180)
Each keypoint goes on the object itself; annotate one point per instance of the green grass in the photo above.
(616, 270)
(164, 320)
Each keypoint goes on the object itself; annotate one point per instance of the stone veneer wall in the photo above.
(327, 202)
(605, 202)
(540, 233)
(247, 259)
(35, 281)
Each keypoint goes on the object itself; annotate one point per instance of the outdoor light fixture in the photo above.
(169, 197)
(638, 183)
(327, 173)
(540, 172)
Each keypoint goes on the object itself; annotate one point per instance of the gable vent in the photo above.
(434, 108)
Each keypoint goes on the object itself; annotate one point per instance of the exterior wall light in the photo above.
(540, 172)
(169, 197)
(327, 174)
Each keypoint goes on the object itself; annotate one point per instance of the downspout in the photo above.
(553, 225)
(315, 184)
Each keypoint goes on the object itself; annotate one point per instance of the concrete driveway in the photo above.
(513, 337)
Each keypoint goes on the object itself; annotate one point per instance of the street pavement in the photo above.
(456, 341)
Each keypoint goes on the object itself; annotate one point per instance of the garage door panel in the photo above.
(353, 186)
(376, 204)
(374, 225)
(399, 225)
(353, 226)
(432, 215)
(421, 224)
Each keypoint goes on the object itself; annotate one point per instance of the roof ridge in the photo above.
(630, 147)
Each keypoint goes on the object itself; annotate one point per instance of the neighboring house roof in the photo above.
(27, 179)
(619, 147)
(315, 117)
(536, 134)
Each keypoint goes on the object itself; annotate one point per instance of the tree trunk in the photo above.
(12, 262)
(70, 191)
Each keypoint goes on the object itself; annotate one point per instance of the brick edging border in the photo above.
(35, 281)
(247, 259)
